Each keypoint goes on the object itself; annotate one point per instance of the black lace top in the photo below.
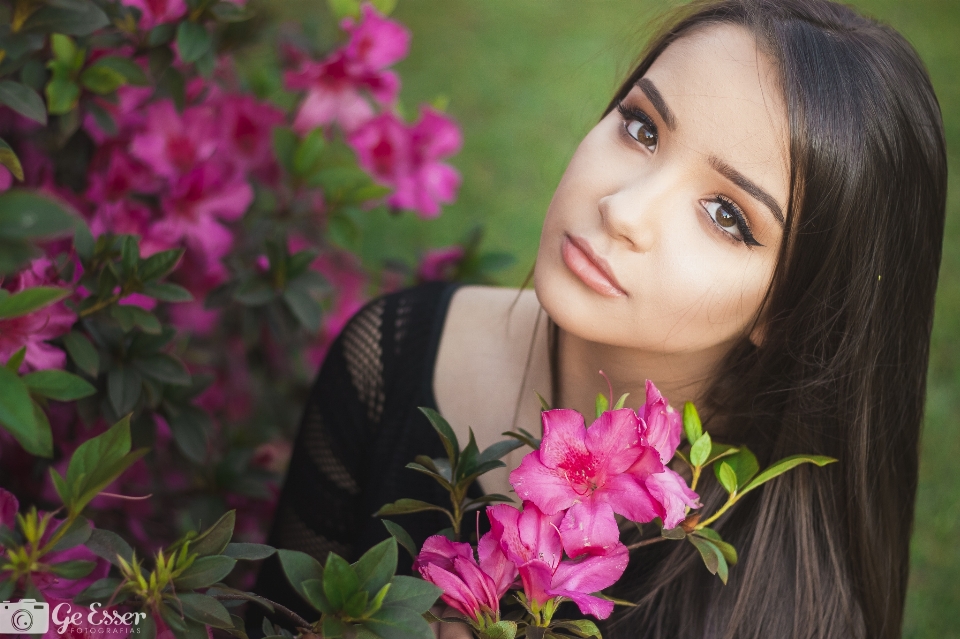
(360, 427)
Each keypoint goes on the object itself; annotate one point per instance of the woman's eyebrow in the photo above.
(653, 94)
(741, 180)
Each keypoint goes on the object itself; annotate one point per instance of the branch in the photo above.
(300, 621)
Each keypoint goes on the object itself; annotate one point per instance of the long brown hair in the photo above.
(842, 367)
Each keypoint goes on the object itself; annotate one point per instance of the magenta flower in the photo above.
(663, 425)
(172, 144)
(34, 329)
(247, 126)
(592, 474)
(531, 540)
(438, 264)
(154, 12)
(472, 589)
(407, 159)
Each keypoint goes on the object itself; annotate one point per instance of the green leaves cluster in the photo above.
(365, 598)
(455, 473)
(737, 470)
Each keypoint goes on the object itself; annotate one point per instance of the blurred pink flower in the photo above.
(336, 86)
(195, 206)
(594, 473)
(438, 264)
(407, 158)
(473, 589)
(172, 144)
(6, 179)
(154, 12)
(34, 329)
(247, 125)
(532, 541)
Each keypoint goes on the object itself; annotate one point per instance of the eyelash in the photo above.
(629, 114)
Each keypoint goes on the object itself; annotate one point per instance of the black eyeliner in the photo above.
(741, 221)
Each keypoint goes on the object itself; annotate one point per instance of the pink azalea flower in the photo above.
(336, 87)
(172, 144)
(154, 12)
(6, 179)
(247, 125)
(663, 424)
(34, 329)
(438, 264)
(593, 474)
(473, 589)
(531, 540)
(407, 159)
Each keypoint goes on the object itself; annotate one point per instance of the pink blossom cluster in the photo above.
(342, 89)
(564, 542)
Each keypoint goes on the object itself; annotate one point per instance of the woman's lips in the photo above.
(577, 256)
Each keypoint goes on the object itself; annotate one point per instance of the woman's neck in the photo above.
(679, 377)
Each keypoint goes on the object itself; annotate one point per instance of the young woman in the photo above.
(754, 224)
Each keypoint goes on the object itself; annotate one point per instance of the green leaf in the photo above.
(601, 404)
(340, 581)
(580, 627)
(308, 152)
(190, 433)
(101, 79)
(127, 68)
(306, 309)
(123, 388)
(101, 590)
(160, 264)
(205, 610)
(673, 533)
(402, 536)
(62, 96)
(109, 545)
(24, 101)
(727, 550)
(58, 385)
(783, 466)
(409, 592)
(700, 450)
(744, 465)
(77, 569)
(77, 18)
(544, 404)
(498, 450)
(357, 603)
(161, 34)
(395, 622)
(204, 572)
(404, 506)
(285, 144)
(313, 591)
(727, 477)
(63, 47)
(30, 300)
(719, 451)
(712, 557)
(385, 7)
(344, 8)
(692, 427)
(17, 416)
(167, 292)
(214, 539)
(98, 461)
(78, 533)
(299, 567)
(193, 41)
(621, 401)
(249, 552)
(375, 568)
(10, 160)
(501, 630)
(16, 360)
(226, 11)
(6, 589)
(28, 215)
(82, 352)
(447, 436)
(333, 628)
(163, 368)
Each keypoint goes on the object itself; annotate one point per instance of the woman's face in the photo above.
(681, 193)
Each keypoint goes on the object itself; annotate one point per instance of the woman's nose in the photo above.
(632, 214)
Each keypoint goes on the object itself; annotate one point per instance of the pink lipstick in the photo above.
(591, 268)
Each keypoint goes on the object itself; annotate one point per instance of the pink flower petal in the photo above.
(632, 498)
(494, 562)
(564, 437)
(614, 438)
(548, 488)
(536, 576)
(9, 505)
(592, 573)
(672, 491)
(663, 424)
(588, 604)
(455, 592)
(589, 527)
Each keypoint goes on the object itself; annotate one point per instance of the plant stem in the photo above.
(712, 518)
(99, 306)
(646, 542)
(297, 619)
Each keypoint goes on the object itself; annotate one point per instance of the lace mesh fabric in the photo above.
(360, 427)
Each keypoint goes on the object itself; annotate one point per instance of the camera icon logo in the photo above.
(24, 617)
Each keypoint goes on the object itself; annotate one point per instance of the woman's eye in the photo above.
(730, 219)
(639, 126)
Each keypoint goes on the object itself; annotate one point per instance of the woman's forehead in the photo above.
(725, 98)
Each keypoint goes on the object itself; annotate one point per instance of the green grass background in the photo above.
(526, 79)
